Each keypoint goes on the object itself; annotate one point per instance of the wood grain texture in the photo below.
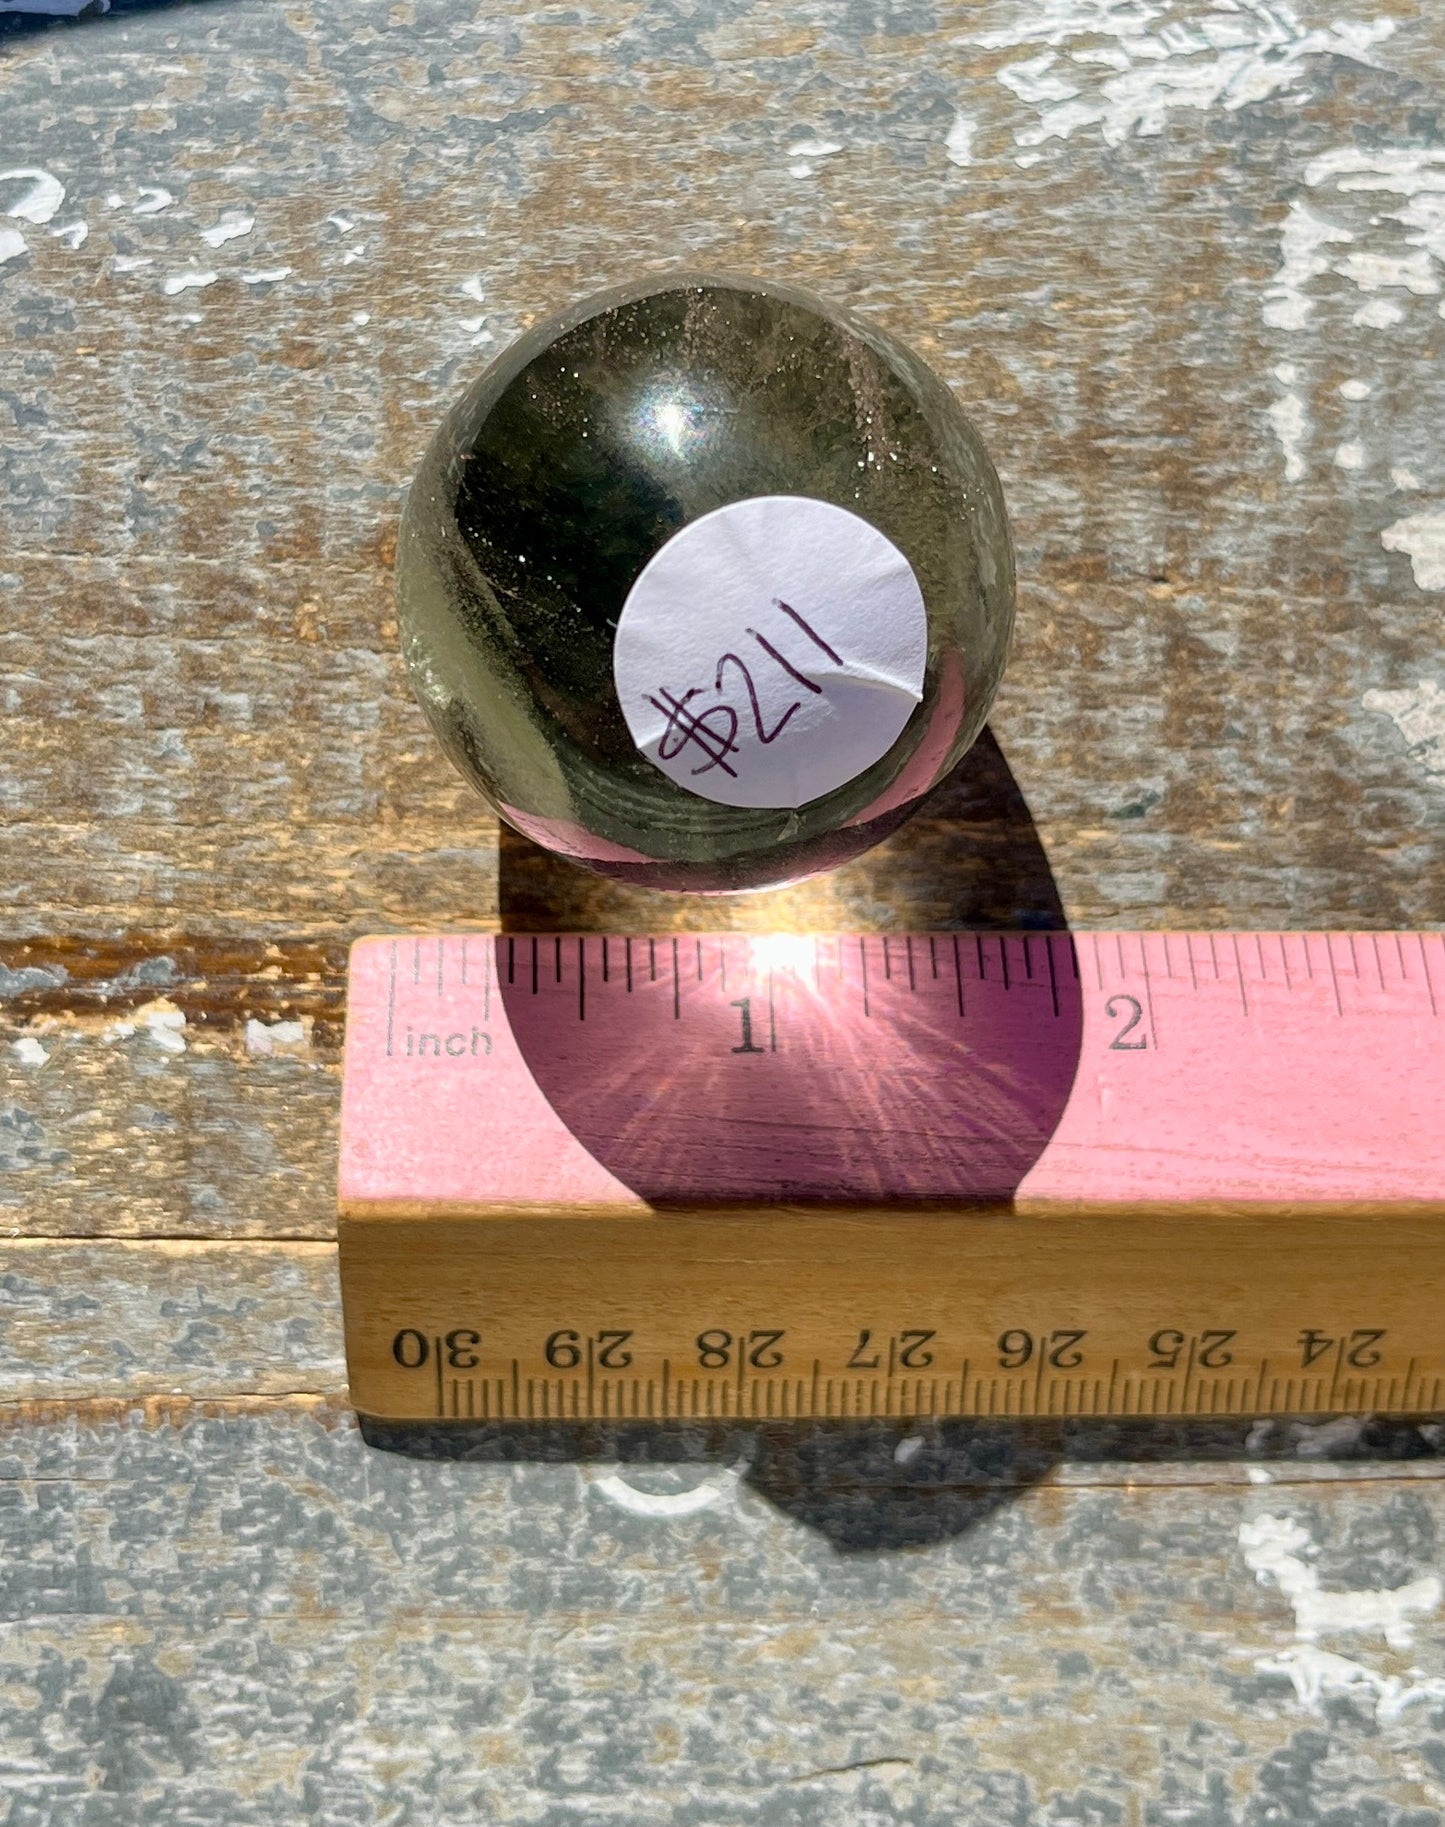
(243, 1618)
(175, 1115)
(207, 725)
(117, 1322)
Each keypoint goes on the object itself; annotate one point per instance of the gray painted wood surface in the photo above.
(1183, 262)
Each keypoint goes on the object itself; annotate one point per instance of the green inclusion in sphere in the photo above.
(588, 446)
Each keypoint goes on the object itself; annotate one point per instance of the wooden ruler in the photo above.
(949, 1174)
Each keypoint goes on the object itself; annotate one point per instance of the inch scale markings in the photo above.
(1095, 1174)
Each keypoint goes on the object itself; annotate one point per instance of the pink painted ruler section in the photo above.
(1096, 1068)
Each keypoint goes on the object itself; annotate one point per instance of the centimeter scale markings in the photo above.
(949, 1174)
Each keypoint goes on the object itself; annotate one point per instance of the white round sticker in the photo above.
(771, 651)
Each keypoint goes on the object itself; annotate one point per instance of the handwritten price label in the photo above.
(771, 651)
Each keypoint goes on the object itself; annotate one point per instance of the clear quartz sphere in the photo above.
(577, 456)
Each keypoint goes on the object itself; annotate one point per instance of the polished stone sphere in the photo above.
(715, 706)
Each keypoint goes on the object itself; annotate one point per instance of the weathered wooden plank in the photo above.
(141, 1124)
(1183, 272)
(122, 1322)
(235, 1618)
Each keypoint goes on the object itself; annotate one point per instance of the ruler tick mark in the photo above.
(1148, 990)
(1425, 966)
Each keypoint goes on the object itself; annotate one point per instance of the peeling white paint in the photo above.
(473, 288)
(161, 1020)
(1350, 455)
(1418, 712)
(165, 1024)
(1412, 272)
(263, 1039)
(342, 224)
(1233, 55)
(814, 149)
(1404, 478)
(1379, 314)
(1416, 173)
(800, 170)
(191, 280)
(1258, 1435)
(1318, 1673)
(41, 198)
(1355, 390)
(908, 1449)
(29, 1051)
(361, 317)
(1275, 1550)
(1304, 235)
(12, 243)
(1318, 1439)
(130, 263)
(667, 1506)
(1031, 81)
(1290, 422)
(265, 275)
(231, 225)
(73, 234)
(153, 199)
(958, 142)
(353, 254)
(1423, 537)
